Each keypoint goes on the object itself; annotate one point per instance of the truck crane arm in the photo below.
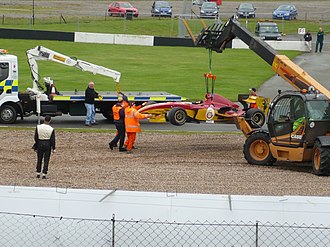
(217, 37)
(42, 53)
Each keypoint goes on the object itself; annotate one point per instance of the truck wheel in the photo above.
(108, 115)
(321, 160)
(8, 114)
(177, 116)
(255, 117)
(256, 149)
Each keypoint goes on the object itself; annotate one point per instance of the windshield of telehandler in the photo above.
(318, 110)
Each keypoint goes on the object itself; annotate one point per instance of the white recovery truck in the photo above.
(14, 103)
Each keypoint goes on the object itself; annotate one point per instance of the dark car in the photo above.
(286, 12)
(209, 10)
(268, 30)
(246, 10)
(122, 9)
(161, 8)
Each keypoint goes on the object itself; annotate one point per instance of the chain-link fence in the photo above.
(35, 230)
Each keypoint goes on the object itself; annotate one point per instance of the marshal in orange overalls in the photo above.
(132, 125)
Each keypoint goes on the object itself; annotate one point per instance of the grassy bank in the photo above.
(177, 70)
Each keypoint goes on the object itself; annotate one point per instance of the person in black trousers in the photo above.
(44, 138)
(319, 40)
(118, 111)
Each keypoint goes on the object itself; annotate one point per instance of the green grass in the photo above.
(177, 70)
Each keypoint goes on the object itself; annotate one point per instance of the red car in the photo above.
(122, 9)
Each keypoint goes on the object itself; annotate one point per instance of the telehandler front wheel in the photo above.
(257, 151)
(321, 160)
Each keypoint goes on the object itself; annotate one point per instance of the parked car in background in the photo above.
(286, 12)
(209, 10)
(122, 9)
(161, 8)
(268, 30)
(246, 10)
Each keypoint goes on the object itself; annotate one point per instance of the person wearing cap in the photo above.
(90, 95)
(132, 125)
(118, 111)
(44, 138)
(253, 92)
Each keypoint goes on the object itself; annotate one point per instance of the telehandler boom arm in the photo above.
(42, 53)
(218, 37)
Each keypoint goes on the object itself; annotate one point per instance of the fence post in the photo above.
(257, 244)
(3, 19)
(113, 230)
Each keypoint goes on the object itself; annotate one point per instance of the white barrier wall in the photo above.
(277, 45)
(146, 40)
(181, 207)
(101, 38)
(119, 39)
(125, 39)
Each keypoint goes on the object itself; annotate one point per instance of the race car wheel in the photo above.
(257, 151)
(255, 117)
(321, 160)
(177, 116)
(8, 114)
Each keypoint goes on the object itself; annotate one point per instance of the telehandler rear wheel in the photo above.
(321, 160)
(256, 149)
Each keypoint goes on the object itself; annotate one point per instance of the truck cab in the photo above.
(267, 30)
(8, 74)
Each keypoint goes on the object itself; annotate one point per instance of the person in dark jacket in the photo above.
(44, 138)
(90, 95)
(118, 111)
(319, 40)
(308, 40)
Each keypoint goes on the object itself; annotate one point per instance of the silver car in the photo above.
(209, 10)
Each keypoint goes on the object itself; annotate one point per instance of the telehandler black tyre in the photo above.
(255, 117)
(257, 151)
(321, 160)
(177, 116)
(8, 114)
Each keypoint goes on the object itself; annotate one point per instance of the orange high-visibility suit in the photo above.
(132, 125)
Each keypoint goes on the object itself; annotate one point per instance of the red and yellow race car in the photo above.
(214, 108)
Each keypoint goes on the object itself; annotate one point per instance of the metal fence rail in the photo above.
(35, 230)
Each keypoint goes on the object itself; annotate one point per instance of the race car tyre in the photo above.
(257, 151)
(8, 114)
(255, 117)
(177, 116)
(321, 159)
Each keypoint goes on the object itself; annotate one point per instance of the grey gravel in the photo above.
(192, 163)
